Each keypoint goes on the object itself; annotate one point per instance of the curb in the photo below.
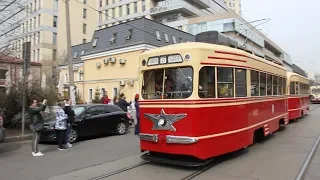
(18, 138)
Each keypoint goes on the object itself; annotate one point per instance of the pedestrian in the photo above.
(122, 103)
(136, 104)
(71, 118)
(36, 124)
(61, 126)
(105, 99)
(115, 100)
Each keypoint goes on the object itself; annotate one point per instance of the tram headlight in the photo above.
(161, 122)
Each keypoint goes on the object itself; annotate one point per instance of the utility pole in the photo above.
(69, 56)
(24, 87)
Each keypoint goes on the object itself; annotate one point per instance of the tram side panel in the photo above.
(298, 106)
(221, 128)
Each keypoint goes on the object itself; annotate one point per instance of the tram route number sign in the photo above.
(165, 59)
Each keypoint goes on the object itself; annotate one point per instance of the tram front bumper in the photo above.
(169, 139)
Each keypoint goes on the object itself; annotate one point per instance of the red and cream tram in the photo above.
(202, 100)
(298, 95)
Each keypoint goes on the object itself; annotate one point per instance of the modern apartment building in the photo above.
(43, 24)
(173, 13)
(235, 5)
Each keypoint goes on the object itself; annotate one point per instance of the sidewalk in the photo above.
(13, 135)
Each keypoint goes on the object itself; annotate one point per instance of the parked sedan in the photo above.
(91, 120)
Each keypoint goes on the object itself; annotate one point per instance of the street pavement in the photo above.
(279, 157)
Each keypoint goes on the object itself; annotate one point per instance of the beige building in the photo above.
(43, 25)
(234, 5)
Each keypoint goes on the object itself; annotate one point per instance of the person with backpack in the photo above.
(61, 126)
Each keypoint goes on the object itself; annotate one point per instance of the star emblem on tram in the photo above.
(164, 121)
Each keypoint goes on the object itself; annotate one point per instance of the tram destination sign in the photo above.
(165, 59)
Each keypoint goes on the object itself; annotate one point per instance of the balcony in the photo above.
(163, 7)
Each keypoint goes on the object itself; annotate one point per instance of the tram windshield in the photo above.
(169, 83)
(315, 91)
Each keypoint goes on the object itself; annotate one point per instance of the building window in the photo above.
(90, 94)
(241, 82)
(107, 2)
(34, 55)
(54, 39)
(27, 25)
(113, 12)
(225, 82)
(174, 39)
(135, 7)
(34, 22)
(129, 34)
(84, 13)
(207, 82)
(158, 35)
(34, 39)
(31, 7)
(35, 5)
(84, 40)
(55, 4)
(100, 16)
(66, 79)
(143, 5)
(120, 11)
(254, 83)
(39, 38)
(166, 37)
(3, 73)
(94, 44)
(113, 39)
(38, 55)
(84, 28)
(55, 21)
(82, 52)
(100, 3)
(106, 15)
(54, 54)
(128, 9)
(84, 1)
(75, 55)
(39, 4)
(39, 20)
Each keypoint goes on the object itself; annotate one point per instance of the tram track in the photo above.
(308, 161)
(218, 161)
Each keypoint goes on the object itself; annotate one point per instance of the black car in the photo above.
(90, 120)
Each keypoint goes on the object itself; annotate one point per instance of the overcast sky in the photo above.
(294, 26)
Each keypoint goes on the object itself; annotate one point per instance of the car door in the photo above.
(92, 122)
(112, 118)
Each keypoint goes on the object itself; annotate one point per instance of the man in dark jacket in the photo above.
(71, 117)
(122, 103)
(36, 122)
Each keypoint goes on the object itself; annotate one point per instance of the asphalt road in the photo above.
(279, 157)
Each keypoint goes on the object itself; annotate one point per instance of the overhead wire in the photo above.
(8, 5)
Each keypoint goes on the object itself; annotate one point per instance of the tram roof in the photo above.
(299, 77)
(205, 46)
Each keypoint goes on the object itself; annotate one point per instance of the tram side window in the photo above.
(225, 82)
(254, 83)
(207, 82)
(275, 85)
(241, 82)
(297, 88)
(284, 85)
(280, 84)
(269, 84)
(263, 84)
(292, 88)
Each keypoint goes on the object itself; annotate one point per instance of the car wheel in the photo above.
(121, 128)
(73, 135)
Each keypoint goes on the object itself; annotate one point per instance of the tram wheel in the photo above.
(258, 136)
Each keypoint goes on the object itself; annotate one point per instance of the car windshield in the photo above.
(170, 83)
(78, 110)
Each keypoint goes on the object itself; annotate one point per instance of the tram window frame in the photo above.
(263, 78)
(269, 84)
(274, 85)
(280, 84)
(255, 83)
(284, 87)
(241, 82)
(292, 88)
(230, 83)
(297, 88)
(206, 94)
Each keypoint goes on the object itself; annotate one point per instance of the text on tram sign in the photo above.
(165, 59)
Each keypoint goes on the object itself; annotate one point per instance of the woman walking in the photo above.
(61, 126)
(137, 127)
(36, 124)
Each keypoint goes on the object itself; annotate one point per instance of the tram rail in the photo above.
(219, 160)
